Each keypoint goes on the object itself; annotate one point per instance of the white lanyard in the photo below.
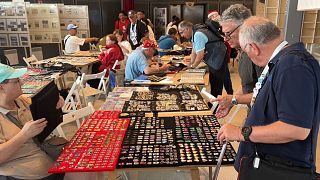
(264, 73)
(133, 34)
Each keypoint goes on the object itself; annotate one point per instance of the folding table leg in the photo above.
(195, 175)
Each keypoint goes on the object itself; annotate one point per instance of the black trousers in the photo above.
(216, 79)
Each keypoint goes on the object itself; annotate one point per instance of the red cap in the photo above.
(210, 13)
(149, 44)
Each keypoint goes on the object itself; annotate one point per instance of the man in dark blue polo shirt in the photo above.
(284, 120)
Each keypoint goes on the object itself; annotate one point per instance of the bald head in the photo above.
(258, 30)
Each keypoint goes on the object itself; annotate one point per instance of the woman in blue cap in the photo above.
(20, 156)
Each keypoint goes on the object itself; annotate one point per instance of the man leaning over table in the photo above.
(137, 63)
(72, 43)
(284, 120)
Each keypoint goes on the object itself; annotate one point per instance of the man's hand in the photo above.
(165, 67)
(224, 107)
(33, 128)
(229, 133)
(60, 103)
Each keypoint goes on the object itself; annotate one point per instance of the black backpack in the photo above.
(216, 53)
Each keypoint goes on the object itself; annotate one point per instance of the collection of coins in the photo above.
(172, 141)
(138, 106)
(150, 106)
(95, 146)
(148, 156)
(194, 105)
(154, 78)
(161, 101)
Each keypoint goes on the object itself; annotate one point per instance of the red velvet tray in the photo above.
(95, 146)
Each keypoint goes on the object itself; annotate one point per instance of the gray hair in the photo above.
(236, 13)
(258, 30)
(185, 24)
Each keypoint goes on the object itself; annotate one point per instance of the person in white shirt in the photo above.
(72, 42)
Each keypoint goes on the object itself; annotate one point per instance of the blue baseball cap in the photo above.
(71, 26)
(7, 72)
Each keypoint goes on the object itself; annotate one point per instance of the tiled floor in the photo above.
(226, 173)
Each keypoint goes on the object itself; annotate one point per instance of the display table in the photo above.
(179, 142)
(75, 61)
(186, 101)
(91, 53)
(174, 79)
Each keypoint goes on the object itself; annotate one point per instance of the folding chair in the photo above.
(87, 91)
(73, 101)
(30, 60)
(73, 116)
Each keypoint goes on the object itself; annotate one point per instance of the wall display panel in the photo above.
(74, 14)
(194, 14)
(175, 10)
(14, 30)
(160, 21)
(44, 23)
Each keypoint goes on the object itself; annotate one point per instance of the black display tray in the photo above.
(172, 141)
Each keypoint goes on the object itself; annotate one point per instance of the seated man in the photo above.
(72, 43)
(167, 42)
(137, 63)
(21, 157)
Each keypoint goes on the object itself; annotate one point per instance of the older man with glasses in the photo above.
(279, 137)
(231, 21)
(203, 48)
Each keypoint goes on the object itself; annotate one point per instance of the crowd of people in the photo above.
(279, 83)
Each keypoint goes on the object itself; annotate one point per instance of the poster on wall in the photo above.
(3, 25)
(74, 14)
(4, 40)
(13, 40)
(44, 23)
(22, 25)
(160, 21)
(24, 39)
(13, 25)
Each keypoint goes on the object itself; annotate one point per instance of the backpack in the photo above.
(215, 50)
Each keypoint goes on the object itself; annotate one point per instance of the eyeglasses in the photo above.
(228, 36)
(181, 32)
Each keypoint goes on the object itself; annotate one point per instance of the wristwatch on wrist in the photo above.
(234, 101)
(246, 132)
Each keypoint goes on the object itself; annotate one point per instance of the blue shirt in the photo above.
(289, 94)
(166, 42)
(199, 41)
(136, 64)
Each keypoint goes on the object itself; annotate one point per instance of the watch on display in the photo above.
(234, 101)
(246, 132)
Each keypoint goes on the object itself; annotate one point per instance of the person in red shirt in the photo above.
(122, 23)
(110, 54)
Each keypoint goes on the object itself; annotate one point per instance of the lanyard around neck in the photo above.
(264, 73)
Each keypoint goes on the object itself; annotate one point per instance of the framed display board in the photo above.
(14, 30)
(44, 23)
(74, 14)
(160, 21)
